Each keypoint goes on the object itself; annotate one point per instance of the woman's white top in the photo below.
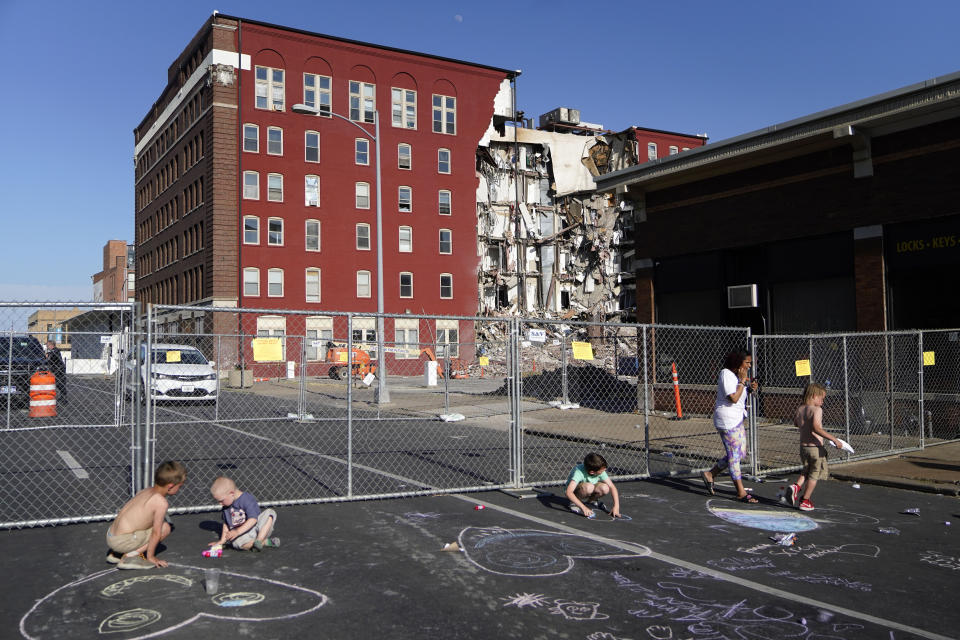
(726, 414)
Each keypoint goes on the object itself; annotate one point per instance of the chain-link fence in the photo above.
(304, 407)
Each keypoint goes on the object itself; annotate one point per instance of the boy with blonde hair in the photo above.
(813, 455)
(245, 526)
(141, 523)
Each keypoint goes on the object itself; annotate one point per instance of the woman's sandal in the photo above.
(708, 484)
(748, 499)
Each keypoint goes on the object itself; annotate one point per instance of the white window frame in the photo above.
(409, 156)
(271, 142)
(274, 278)
(271, 232)
(274, 327)
(449, 250)
(448, 276)
(322, 95)
(363, 284)
(251, 278)
(269, 90)
(256, 231)
(361, 152)
(441, 161)
(408, 275)
(319, 328)
(307, 235)
(406, 333)
(444, 347)
(403, 108)
(364, 333)
(445, 194)
(405, 199)
(361, 193)
(651, 151)
(308, 274)
(309, 191)
(363, 101)
(251, 188)
(405, 237)
(358, 236)
(247, 127)
(272, 179)
(307, 147)
(674, 150)
(442, 109)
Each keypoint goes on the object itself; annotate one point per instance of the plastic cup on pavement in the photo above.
(211, 580)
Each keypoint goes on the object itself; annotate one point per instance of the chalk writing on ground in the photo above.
(578, 610)
(100, 604)
(742, 564)
(821, 578)
(416, 515)
(812, 551)
(530, 552)
(941, 560)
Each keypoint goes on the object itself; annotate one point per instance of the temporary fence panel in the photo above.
(67, 452)
(941, 384)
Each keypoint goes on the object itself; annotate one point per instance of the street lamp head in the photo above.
(302, 108)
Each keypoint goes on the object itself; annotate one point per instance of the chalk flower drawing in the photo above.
(578, 610)
(94, 604)
(522, 600)
(533, 553)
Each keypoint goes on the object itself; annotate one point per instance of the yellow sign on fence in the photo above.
(803, 367)
(484, 361)
(582, 351)
(173, 356)
(929, 358)
(267, 350)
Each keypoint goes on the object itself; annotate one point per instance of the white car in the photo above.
(177, 372)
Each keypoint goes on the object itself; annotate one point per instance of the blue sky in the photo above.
(81, 76)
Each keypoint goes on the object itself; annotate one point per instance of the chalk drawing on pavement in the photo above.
(766, 519)
(130, 620)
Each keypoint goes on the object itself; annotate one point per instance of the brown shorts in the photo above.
(814, 459)
(127, 542)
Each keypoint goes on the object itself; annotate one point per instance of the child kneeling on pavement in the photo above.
(245, 526)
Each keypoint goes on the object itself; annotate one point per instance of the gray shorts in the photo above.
(250, 536)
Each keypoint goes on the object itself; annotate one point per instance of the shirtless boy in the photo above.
(140, 525)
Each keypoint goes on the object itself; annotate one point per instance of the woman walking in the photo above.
(728, 414)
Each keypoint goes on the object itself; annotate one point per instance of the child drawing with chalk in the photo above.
(813, 455)
(142, 522)
(245, 525)
(588, 483)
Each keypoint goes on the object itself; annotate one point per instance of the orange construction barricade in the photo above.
(43, 395)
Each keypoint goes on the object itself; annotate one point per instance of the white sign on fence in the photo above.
(537, 335)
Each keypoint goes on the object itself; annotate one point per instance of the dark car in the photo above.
(20, 358)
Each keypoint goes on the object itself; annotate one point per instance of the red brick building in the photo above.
(655, 143)
(115, 283)
(240, 201)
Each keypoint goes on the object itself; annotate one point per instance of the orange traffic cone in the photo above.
(43, 395)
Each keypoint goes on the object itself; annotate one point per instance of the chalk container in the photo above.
(211, 580)
(479, 507)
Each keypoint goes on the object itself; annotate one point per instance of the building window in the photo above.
(686, 148)
(404, 155)
(312, 285)
(446, 286)
(363, 237)
(448, 338)
(651, 151)
(251, 281)
(406, 239)
(251, 230)
(364, 332)
(406, 284)
(251, 138)
(269, 88)
(446, 241)
(362, 193)
(275, 187)
(275, 232)
(275, 141)
(313, 235)
(311, 146)
(443, 160)
(444, 114)
(405, 199)
(406, 338)
(251, 185)
(273, 327)
(404, 108)
(275, 283)
(363, 101)
(444, 202)
(319, 333)
(316, 93)
(361, 151)
(311, 191)
(674, 150)
(363, 284)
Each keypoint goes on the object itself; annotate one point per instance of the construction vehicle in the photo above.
(340, 357)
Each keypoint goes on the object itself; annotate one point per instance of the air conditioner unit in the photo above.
(742, 296)
(560, 115)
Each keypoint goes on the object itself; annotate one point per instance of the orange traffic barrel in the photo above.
(43, 395)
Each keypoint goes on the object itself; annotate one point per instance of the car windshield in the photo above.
(23, 348)
(178, 356)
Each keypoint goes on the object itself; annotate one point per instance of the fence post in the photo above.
(349, 379)
(216, 403)
(752, 417)
(301, 400)
(920, 390)
(148, 413)
(516, 427)
(563, 368)
(646, 403)
(846, 390)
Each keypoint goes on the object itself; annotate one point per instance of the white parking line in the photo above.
(756, 586)
(73, 465)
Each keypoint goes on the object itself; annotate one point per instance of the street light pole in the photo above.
(383, 394)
